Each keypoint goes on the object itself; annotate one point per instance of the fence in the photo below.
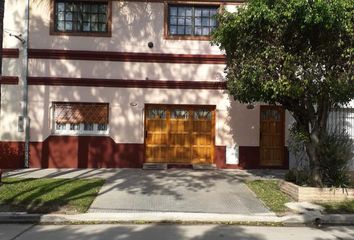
(342, 119)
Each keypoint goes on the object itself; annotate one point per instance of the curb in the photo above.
(177, 218)
(338, 219)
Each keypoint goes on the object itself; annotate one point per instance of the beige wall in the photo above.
(134, 24)
(11, 95)
(234, 123)
(126, 70)
(13, 22)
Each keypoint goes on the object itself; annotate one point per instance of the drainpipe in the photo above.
(26, 119)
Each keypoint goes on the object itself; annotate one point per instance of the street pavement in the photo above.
(171, 232)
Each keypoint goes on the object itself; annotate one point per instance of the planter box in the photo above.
(312, 194)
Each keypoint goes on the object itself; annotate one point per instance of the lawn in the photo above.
(269, 193)
(48, 195)
(345, 207)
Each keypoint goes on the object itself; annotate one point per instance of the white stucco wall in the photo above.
(126, 70)
(234, 122)
(134, 24)
(11, 95)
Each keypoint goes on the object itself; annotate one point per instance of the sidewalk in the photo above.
(179, 186)
(174, 190)
(111, 173)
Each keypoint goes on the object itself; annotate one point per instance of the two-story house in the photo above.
(115, 84)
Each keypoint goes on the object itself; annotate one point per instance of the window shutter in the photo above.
(81, 113)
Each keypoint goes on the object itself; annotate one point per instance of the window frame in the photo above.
(53, 30)
(167, 36)
(81, 131)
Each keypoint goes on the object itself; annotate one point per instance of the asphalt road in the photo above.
(170, 232)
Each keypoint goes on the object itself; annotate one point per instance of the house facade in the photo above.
(117, 84)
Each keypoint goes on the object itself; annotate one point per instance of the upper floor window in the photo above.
(81, 118)
(191, 20)
(82, 17)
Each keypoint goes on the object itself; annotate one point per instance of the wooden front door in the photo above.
(179, 134)
(271, 136)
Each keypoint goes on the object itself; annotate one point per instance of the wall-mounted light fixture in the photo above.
(133, 104)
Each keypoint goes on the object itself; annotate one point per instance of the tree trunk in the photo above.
(313, 124)
(311, 150)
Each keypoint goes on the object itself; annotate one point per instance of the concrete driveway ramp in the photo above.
(216, 191)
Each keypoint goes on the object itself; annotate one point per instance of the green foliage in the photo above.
(48, 195)
(269, 192)
(298, 176)
(297, 53)
(345, 207)
(336, 152)
(288, 51)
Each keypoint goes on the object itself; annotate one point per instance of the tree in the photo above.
(297, 53)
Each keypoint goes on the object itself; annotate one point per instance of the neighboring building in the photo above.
(122, 83)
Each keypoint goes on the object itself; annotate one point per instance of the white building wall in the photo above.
(11, 95)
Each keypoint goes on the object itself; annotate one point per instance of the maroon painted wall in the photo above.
(103, 152)
(73, 152)
(249, 158)
(11, 155)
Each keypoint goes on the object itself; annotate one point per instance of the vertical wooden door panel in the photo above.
(202, 136)
(271, 136)
(180, 125)
(156, 135)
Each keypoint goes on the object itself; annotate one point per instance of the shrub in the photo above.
(336, 152)
(298, 176)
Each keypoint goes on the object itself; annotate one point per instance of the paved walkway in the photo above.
(135, 190)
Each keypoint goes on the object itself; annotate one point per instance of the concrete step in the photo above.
(204, 166)
(155, 166)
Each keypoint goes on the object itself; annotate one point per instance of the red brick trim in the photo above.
(126, 56)
(9, 80)
(10, 52)
(123, 83)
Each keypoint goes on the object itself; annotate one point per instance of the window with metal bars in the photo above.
(81, 16)
(81, 118)
(186, 20)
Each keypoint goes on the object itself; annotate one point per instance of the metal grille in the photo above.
(76, 113)
(342, 119)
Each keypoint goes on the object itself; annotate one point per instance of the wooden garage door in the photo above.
(179, 134)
